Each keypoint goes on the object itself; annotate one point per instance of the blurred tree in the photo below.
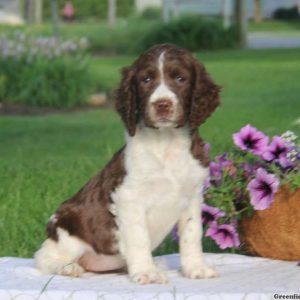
(226, 13)
(241, 22)
(112, 12)
(38, 11)
(257, 11)
(29, 4)
(55, 17)
(33, 11)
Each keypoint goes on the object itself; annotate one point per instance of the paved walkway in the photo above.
(260, 40)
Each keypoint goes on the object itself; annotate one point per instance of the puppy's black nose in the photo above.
(163, 105)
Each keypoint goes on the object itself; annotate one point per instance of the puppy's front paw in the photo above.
(71, 269)
(199, 271)
(150, 276)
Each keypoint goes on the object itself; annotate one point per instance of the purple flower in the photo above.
(262, 189)
(250, 139)
(222, 159)
(277, 151)
(215, 172)
(174, 234)
(230, 168)
(224, 235)
(206, 148)
(218, 167)
(278, 148)
(249, 169)
(206, 184)
(286, 163)
(226, 164)
(210, 214)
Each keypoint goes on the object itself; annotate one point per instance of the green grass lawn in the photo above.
(45, 159)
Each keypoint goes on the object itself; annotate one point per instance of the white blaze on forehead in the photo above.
(161, 65)
(162, 90)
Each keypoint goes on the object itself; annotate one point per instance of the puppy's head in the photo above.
(166, 87)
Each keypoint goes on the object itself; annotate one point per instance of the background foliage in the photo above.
(58, 83)
(133, 35)
(192, 33)
(96, 9)
(287, 13)
(43, 71)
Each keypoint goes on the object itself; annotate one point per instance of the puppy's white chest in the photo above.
(162, 177)
(162, 161)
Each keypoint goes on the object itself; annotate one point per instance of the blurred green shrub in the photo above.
(192, 33)
(122, 39)
(92, 8)
(43, 72)
(2, 86)
(137, 35)
(283, 13)
(151, 13)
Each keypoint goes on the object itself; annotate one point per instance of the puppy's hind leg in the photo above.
(93, 262)
(61, 256)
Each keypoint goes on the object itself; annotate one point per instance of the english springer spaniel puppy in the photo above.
(154, 182)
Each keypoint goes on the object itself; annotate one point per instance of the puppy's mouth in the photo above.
(164, 116)
(165, 120)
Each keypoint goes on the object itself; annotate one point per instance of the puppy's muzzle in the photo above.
(163, 107)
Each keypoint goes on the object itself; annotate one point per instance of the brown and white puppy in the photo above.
(151, 184)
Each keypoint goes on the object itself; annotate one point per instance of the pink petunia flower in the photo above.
(250, 139)
(206, 184)
(249, 169)
(211, 214)
(215, 172)
(286, 163)
(277, 151)
(174, 234)
(224, 235)
(207, 148)
(262, 189)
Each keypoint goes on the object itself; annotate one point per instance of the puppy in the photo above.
(154, 182)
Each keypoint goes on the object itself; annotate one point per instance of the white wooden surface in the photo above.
(241, 277)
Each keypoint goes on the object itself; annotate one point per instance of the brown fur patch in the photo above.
(197, 149)
(86, 214)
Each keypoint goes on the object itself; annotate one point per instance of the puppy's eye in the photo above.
(179, 78)
(146, 79)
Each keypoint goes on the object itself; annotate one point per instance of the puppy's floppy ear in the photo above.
(126, 103)
(205, 96)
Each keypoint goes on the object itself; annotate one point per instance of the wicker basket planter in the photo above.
(275, 232)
